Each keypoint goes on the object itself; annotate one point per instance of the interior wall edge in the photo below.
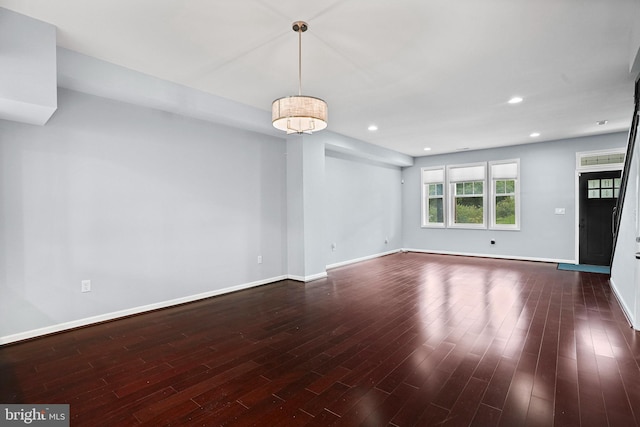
(625, 309)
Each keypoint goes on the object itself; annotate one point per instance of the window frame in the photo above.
(451, 182)
(493, 178)
(425, 223)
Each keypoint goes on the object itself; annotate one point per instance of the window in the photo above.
(467, 184)
(463, 196)
(505, 198)
(433, 206)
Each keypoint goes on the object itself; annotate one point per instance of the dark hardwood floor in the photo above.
(407, 339)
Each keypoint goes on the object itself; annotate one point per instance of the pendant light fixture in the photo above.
(298, 113)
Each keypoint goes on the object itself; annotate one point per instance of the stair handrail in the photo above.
(633, 131)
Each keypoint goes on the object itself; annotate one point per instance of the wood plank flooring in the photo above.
(403, 340)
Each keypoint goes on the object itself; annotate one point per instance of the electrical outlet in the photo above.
(333, 247)
(386, 240)
(86, 286)
(259, 259)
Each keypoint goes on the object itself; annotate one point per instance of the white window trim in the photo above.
(452, 199)
(425, 214)
(492, 195)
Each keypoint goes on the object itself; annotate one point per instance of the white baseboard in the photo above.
(306, 279)
(131, 311)
(353, 261)
(625, 309)
(494, 256)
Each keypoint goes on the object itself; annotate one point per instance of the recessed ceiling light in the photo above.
(516, 100)
(373, 128)
(427, 148)
(602, 122)
(534, 134)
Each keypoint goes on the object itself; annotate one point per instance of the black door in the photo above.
(598, 197)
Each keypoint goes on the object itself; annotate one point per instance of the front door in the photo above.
(598, 197)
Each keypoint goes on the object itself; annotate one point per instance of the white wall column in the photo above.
(305, 207)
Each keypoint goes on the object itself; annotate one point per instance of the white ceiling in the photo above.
(428, 73)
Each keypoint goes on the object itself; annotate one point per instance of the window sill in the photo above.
(469, 226)
(505, 228)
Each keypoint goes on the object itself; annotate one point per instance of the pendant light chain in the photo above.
(300, 62)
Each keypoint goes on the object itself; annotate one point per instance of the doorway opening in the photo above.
(598, 188)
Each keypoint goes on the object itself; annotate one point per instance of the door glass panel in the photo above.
(616, 182)
(594, 183)
(594, 194)
(607, 193)
(607, 183)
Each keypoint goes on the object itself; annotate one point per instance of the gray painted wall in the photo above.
(149, 206)
(547, 181)
(363, 207)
